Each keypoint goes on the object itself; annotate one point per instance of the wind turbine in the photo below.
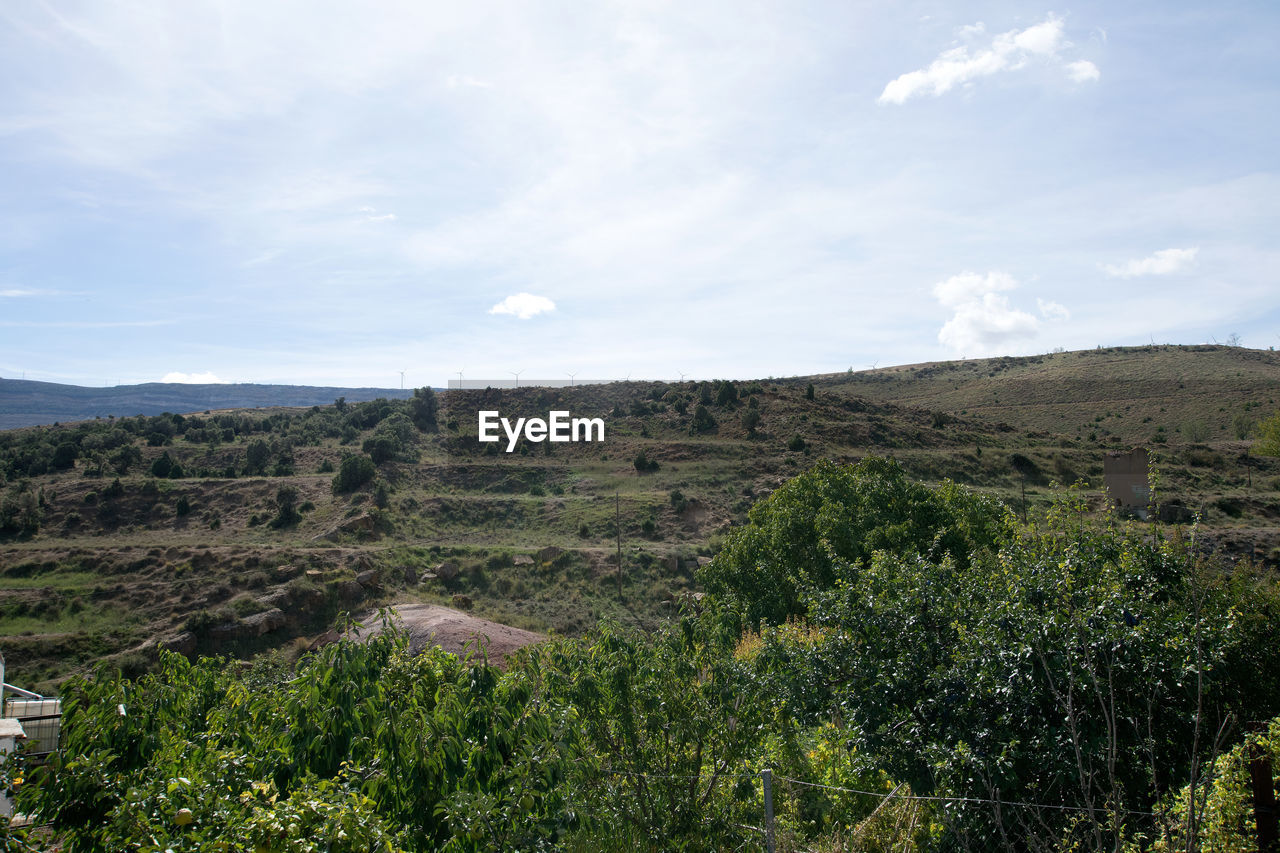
(516, 374)
(682, 375)
(402, 378)
(459, 380)
(571, 375)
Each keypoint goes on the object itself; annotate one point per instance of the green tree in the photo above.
(808, 391)
(354, 472)
(702, 420)
(827, 522)
(256, 457)
(1268, 430)
(423, 409)
(287, 513)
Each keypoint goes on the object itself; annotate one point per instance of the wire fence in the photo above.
(768, 780)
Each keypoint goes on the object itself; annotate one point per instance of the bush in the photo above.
(827, 522)
(702, 420)
(353, 473)
(796, 444)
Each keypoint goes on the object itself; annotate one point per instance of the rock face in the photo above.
(447, 571)
(360, 525)
(522, 560)
(369, 579)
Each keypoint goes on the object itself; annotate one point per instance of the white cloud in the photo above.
(1008, 51)
(983, 320)
(969, 286)
(1083, 71)
(18, 292)
(1163, 262)
(1053, 310)
(193, 378)
(523, 305)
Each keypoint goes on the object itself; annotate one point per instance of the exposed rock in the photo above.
(549, 553)
(183, 644)
(328, 637)
(360, 525)
(262, 623)
(410, 575)
(704, 561)
(350, 590)
(286, 572)
(523, 560)
(463, 601)
(447, 571)
(314, 574)
(451, 630)
(369, 579)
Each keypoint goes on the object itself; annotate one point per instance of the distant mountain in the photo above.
(26, 403)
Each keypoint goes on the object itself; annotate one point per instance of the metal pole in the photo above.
(767, 775)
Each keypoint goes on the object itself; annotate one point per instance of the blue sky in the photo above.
(329, 193)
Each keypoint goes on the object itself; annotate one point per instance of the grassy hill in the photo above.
(1149, 394)
(121, 560)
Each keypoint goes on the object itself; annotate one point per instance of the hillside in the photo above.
(223, 532)
(28, 403)
(1128, 394)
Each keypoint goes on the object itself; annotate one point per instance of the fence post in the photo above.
(1264, 796)
(767, 775)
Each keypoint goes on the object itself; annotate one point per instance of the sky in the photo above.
(332, 193)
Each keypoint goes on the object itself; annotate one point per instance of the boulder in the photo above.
(262, 623)
(462, 602)
(549, 553)
(447, 571)
(369, 579)
(522, 560)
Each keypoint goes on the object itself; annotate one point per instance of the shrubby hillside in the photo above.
(917, 670)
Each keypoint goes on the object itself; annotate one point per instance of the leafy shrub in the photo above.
(354, 472)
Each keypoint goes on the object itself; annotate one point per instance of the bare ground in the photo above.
(452, 630)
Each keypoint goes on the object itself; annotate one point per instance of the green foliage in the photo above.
(827, 522)
(796, 444)
(1268, 431)
(808, 391)
(287, 514)
(354, 472)
(643, 464)
(256, 457)
(702, 420)
(726, 393)
(423, 409)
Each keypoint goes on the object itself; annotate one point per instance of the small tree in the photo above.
(256, 457)
(726, 394)
(353, 473)
(808, 392)
(287, 513)
(702, 420)
(1269, 436)
(751, 419)
(423, 409)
